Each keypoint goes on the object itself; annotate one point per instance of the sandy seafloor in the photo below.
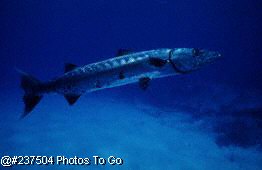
(145, 136)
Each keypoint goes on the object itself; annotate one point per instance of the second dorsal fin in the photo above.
(123, 51)
(69, 67)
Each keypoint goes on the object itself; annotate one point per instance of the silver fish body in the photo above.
(139, 67)
(113, 72)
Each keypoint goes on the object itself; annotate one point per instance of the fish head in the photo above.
(189, 59)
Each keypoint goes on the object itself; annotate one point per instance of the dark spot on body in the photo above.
(157, 62)
(121, 75)
(197, 52)
(98, 84)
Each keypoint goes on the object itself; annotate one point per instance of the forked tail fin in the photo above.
(31, 98)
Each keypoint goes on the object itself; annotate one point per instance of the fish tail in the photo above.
(31, 97)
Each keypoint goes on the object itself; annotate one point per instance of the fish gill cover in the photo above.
(211, 118)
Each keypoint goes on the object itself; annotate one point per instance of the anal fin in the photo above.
(72, 98)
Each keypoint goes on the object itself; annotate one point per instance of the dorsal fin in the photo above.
(72, 98)
(123, 51)
(69, 67)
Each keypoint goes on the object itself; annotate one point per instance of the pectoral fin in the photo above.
(144, 82)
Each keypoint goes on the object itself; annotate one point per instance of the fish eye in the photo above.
(196, 52)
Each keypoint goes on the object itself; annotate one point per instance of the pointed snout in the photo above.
(217, 55)
(212, 56)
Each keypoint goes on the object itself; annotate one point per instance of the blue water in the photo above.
(209, 119)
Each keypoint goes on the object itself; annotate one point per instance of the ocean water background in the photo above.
(209, 119)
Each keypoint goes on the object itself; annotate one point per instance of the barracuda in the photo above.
(123, 69)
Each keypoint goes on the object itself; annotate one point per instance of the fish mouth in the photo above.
(213, 56)
(217, 55)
